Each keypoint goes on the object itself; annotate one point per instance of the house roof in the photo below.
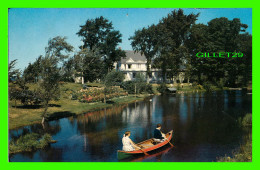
(132, 56)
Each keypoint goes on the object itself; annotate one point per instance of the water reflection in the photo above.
(204, 127)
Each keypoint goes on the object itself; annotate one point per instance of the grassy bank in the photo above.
(27, 115)
(244, 152)
(29, 142)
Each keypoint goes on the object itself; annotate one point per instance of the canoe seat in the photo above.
(147, 145)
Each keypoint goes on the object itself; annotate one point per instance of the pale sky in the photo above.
(31, 28)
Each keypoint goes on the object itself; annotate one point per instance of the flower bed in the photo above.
(97, 94)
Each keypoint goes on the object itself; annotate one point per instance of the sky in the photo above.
(29, 29)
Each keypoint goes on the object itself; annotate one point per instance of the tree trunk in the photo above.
(135, 90)
(148, 70)
(44, 113)
(43, 119)
(82, 78)
(105, 95)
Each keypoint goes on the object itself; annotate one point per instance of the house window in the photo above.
(134, 74)
(129, 66)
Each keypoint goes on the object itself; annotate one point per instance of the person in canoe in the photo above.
(128, 144)
(158, 135)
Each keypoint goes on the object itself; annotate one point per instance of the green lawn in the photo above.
(65, 107)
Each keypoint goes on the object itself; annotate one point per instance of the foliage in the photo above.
(88, 64)
(243, 154)
(58, 48)
(56, 52)
(162, 88)
(246, 121)
(220, 35)
(145, 41)
(32, 72)
(99, 35)
(129, 86)
(12, 72)
(97, 94)
(137, 86)
(174, 42)
(208, 86)
(174, 34)
(221, 83)
(68, 70)
(18, 90)
(30, 97)
(29, 142)
(114, 78)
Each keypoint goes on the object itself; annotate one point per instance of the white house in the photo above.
(135, 63)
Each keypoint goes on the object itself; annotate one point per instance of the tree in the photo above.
(13, 77)
(220, 35)
(99, 34)
(56, 52)
(245, 64)
(88, 65)
(68, 70)
(12, 72)
(145, 41)
(111, 79)
(175, 31)
(197, 42)
(32, 71)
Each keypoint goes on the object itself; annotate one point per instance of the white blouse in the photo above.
(127, 146)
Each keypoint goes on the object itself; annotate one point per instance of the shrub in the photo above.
(242, 154)
(162, 88)
(129, 86)
(149, 89)
(30, 97)
(221, 83)
(84, 86)
(74, 96)
(247, 120)
(140, 87)
(208, 87)
(114, 78)
(29, 142)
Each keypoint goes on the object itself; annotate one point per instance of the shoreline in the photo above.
(65, 107)
(20, 117)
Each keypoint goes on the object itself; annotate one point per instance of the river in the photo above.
(205, 127)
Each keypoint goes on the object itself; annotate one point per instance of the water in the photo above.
(204, 126)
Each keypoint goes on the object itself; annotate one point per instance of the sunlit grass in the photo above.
(29, 142)
(22, 116)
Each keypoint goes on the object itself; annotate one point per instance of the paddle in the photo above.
(143, 151)
(169, 142)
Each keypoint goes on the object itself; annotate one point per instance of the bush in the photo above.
(242, 154)
(162, 88)
(74, 96)
(208, 87)
(247, 120)
(97, 94)
(30, 97)
(149, 89)
(84, 86)
(221, 83)
(29, 142)
(141, 87)
(114, 78)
